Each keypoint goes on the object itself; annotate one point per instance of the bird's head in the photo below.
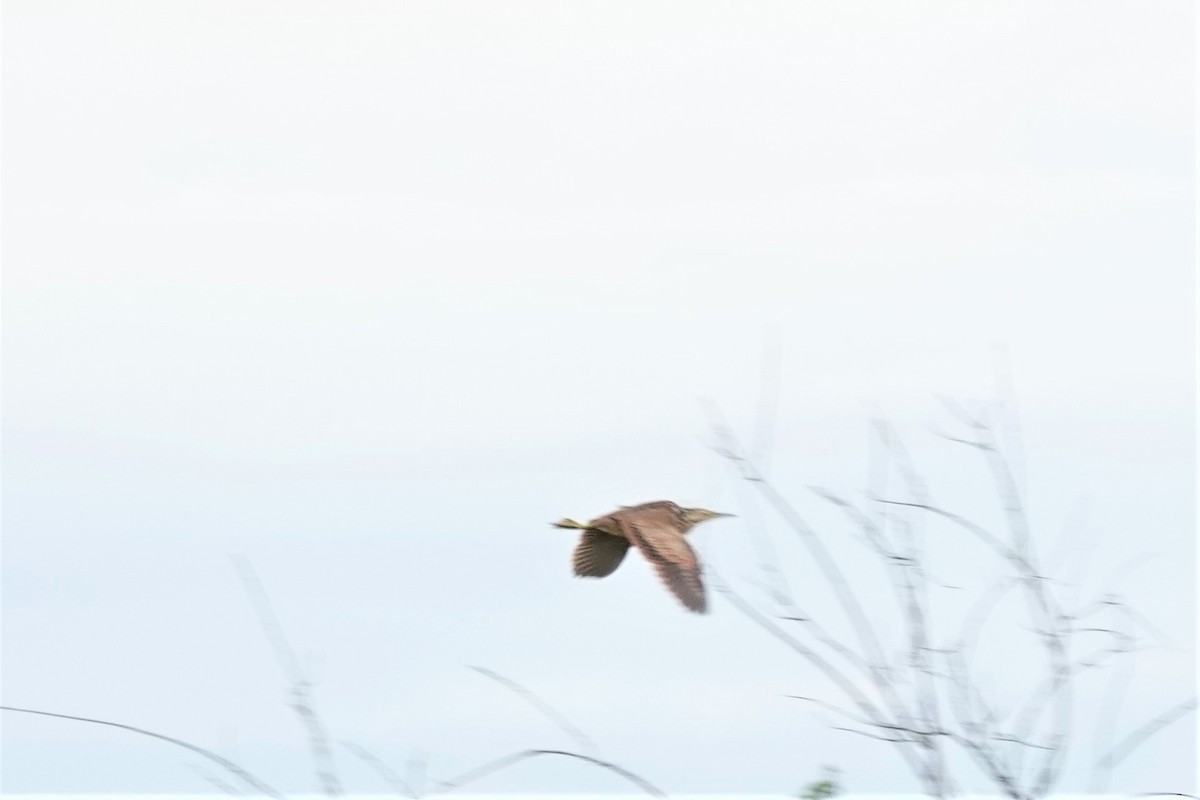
(695, 516)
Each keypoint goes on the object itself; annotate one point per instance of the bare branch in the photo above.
(389, 776)
(870, 735)
(1135, 740)
(831, 707)
(825, 561)
(234, 769)
(776, 584)
(302, 702)
(544, 708)
(1118, 689)
(957, 411)
(915, 692)
(507, 761)
(220, 784)
(980, 532)
(833, 673)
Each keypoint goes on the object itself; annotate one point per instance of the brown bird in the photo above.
(657, 529)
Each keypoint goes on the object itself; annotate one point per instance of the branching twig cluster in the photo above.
(927, 698)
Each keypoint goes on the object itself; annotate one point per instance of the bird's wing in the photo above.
(598, 554)
(663, 546)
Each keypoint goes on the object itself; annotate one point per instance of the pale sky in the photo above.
(370, 292)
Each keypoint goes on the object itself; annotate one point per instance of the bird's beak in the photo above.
(722, 514)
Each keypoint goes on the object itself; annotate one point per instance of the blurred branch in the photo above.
(220, 784)
(848, 688)
(301, 688)
(898, 568)
(1122, 677)
(776, 583)
(833, 673)
(416, 772)
(514, 758)
(1040, 600)
(542, 707)
(1136, 739)
(389, 776)
(909, 581)
(731, 450)
(914, 690)
(234, 769)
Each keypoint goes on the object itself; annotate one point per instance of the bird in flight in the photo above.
(657, 529)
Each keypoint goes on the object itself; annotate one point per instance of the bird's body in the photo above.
(658, 530)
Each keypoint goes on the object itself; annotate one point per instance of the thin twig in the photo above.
(848, 688)
(1042, 601)
(833, 673)
(1134, 740)
(895, 566)
(220, 784)
(544, 708)
(389, 776)
(825, 561)
(233, 768)
(1118, 689)
(507, 761)
(301, 688)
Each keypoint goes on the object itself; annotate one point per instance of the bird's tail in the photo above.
(569, 523)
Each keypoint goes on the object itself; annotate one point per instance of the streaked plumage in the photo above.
(657, 529)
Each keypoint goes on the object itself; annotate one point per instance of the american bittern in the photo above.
(657, 529)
